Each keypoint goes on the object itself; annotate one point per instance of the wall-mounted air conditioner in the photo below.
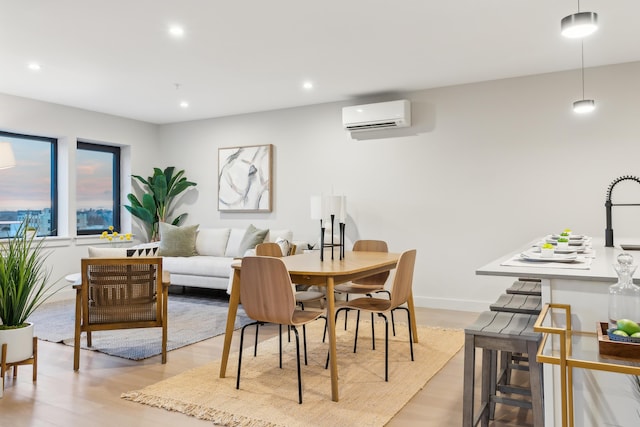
(381, 115)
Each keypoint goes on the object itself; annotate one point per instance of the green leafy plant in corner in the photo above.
(156, 204)
(24, 277)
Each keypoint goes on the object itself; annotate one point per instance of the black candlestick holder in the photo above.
(332, 245)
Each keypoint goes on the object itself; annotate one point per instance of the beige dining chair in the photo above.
(267, 296)
(120, 293)
(302, 297)
(366, 286)
(399, 294)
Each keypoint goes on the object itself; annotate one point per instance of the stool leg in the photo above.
(494, 378)
(488, 372)
(469, 380)
(535, 379)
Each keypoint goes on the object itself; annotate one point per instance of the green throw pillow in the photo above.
(177, 241)
(252, 237)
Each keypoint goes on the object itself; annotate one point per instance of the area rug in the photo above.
(268, 395)
(191, 319)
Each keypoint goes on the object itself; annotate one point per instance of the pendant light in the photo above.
(579, 24)
(584, 105)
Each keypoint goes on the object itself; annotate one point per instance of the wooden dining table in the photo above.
(307, 269)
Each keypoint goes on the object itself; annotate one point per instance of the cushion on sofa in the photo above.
(252, 237)
(233, 244)
(198, 265)
(97, 252)
(150, 251)
(212, 241)
(177, 241)
(274, 235)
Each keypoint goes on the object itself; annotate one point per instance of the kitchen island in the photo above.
(601, 398)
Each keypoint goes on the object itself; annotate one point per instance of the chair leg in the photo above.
(304, 340)
(409, 324)
(295, 331)
(373, 333)
(355, 340)
(345, 313)
(386, 346)
(393, 322)
(240, 352)
(280, 341)
(255, 345)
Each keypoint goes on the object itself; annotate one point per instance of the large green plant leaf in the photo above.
(156, 204)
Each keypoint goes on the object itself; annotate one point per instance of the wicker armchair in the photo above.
(120, 293)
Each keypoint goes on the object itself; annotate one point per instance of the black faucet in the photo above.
(608, 232)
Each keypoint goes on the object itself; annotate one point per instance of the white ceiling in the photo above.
(240, 56)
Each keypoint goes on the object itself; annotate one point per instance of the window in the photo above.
(97, 188)
(29, 188)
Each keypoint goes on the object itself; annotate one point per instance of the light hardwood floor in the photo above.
(62, 397)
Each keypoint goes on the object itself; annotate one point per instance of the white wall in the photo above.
(139, 153)
(484, 169)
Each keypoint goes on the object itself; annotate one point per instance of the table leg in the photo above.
(234, 300)
(331, 319)
(412, 317)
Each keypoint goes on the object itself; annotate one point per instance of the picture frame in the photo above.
(245, 178)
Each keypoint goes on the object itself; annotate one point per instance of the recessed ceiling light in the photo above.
(184, 104)
(34, 66)
(176, 31)
(307, 85)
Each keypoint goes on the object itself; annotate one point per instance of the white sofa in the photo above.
(216, 249)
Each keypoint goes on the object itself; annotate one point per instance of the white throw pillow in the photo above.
(96, 252)
(274, 235)
(233, 244)
(285, 246)
(212, 241)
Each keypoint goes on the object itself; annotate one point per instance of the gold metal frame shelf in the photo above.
(568, 357)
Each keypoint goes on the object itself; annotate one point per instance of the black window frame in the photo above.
(54, 173)
(92, 146)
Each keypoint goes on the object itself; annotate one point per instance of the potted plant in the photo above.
(24, 286)
(547, 250)
(155, 206)
(563, 243)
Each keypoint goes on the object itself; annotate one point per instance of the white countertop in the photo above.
(601, 269)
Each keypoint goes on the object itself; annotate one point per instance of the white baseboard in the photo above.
(452, 304)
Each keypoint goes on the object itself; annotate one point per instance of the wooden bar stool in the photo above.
(513, 303)
(496, 331)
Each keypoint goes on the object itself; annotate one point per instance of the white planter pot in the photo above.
(19, 343)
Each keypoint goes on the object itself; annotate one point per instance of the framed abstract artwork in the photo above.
(245, 178)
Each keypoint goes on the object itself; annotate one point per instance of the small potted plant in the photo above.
(547, 250)
(563, 242)
(24, 286)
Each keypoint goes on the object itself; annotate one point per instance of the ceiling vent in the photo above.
(382, 115)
